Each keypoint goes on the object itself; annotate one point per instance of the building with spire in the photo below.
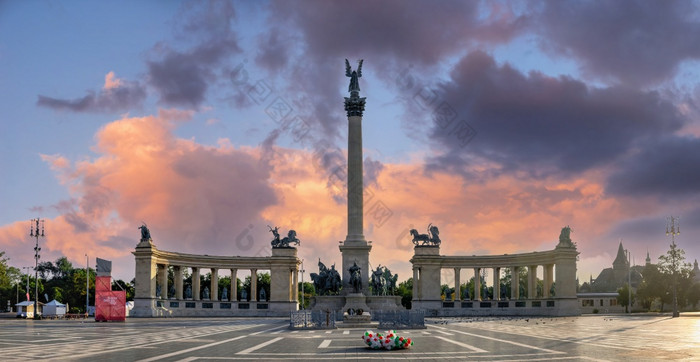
(611, 279)
(696, 272)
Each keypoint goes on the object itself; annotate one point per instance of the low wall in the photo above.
(525, 307)
(206, 308)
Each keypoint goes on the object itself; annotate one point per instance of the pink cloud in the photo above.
(218, 200)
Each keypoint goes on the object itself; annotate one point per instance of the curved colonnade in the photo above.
(558, 265)
(153, 295)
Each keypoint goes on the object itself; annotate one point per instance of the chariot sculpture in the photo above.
(284, 242)
(432, 238)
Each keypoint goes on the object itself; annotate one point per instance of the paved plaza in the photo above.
(602, 338)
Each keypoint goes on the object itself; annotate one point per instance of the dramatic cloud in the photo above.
(195, 198)
(307, 43)
(636, 42)
(116, 95)
(538, 124)
(666, 167)
(412, 30)
(183, 77)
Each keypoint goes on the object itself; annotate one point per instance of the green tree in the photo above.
(9, 282)
(672, 265)
(623, 295)
(405, 290)
(308, 292)
(693, 295)
(126, 287)
(652, 288)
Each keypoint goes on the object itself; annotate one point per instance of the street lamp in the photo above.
(629, 280)
(34, 232)
(673, 230)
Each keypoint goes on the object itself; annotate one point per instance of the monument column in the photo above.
(195, 284)
(178, 281)
(214, 285)
(355, 249)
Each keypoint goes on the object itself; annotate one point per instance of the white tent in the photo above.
(54, 308)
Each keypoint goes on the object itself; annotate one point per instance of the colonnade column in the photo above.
(415, 284)
(514, 282)
(178, 281)
(458, 288)
(532, 282)
(234, 285)
(295, 285)
(477, 283)
(163, 276)
(496, 283)
(547, 275)
(214, 285)
(254, 285)
(195, 283)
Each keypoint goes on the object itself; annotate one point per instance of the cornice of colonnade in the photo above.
(211, 261)
(505, 260)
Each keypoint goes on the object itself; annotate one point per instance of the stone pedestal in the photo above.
(355, 252)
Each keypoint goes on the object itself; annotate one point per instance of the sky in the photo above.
(498, 121)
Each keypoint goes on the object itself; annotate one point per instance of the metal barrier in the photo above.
(314, 319)
(399, 319)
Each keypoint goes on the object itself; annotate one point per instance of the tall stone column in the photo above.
(178, 281)
(496, 283)
(532, 282)
(254, 285)
(547, 274)
(295, 285)
(145, 277)
(355, 248)
(477, 283)
(458, 287)
(196, 292)
(234, 285)
(214, 285)
(515, 282)
(163, 276)
(416, 283)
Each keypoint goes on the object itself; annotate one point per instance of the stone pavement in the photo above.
(601, 338)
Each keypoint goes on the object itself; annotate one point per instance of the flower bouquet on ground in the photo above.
(387, 340)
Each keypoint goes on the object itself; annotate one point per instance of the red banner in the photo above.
(103, 284)
(109, 305)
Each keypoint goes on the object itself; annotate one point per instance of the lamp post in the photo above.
(673, 228)
(34, 232)
(629, 281)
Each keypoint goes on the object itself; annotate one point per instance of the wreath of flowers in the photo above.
(387, 340)
(357, 311)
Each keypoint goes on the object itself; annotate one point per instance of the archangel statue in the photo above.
(354, 75)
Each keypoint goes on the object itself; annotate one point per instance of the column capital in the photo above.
(354, 105)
